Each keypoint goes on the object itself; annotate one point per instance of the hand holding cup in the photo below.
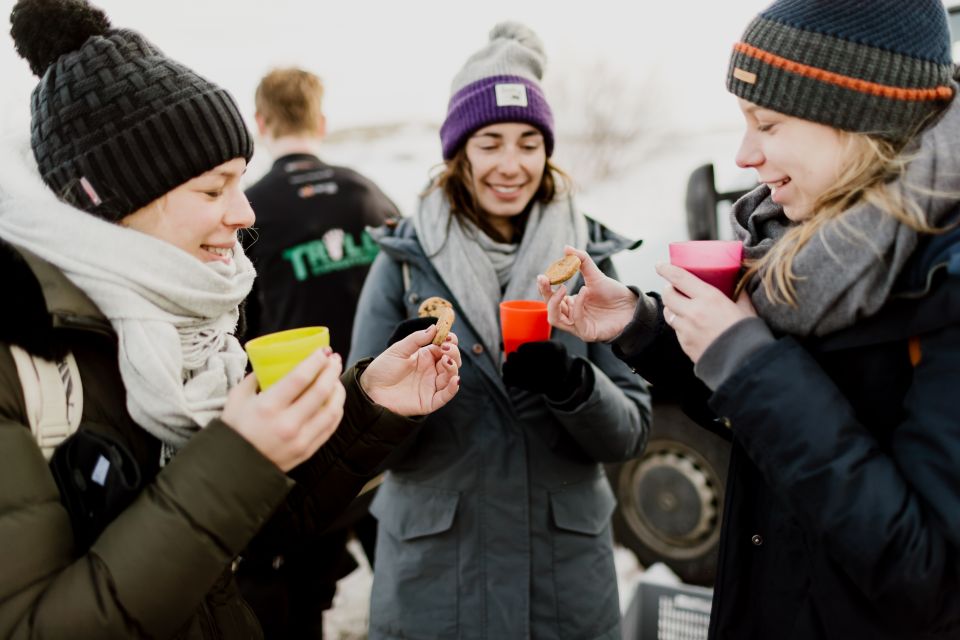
(290, 420)
(276, 354)
(523, 321)
(716, 262)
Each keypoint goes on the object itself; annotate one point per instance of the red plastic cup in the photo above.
(716, 262)
(523, 321)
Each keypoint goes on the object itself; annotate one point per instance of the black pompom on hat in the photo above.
(115, 124)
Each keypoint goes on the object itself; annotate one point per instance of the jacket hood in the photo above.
(40, 298)
(43, 302)
(938, 256)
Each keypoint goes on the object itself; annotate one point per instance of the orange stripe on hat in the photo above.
(847, 82)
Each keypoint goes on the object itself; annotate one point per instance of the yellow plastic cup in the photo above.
(275, 354)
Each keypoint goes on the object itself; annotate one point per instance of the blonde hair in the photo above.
(455, 180)
(289, 100)
(866, 178)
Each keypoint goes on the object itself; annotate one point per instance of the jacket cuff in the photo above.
(642, 329)
(366, 424)
(586, 381)
(731, 348)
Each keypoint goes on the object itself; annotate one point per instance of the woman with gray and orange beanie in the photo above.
(494, 520)
(138, 461)
(836, 370)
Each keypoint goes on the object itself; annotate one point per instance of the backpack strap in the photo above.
(53, 395)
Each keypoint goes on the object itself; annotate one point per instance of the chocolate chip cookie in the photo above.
(563, 269)
(442, 310)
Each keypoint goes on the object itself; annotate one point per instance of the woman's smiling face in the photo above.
(507, 161)
(201, 216)
(797, 158)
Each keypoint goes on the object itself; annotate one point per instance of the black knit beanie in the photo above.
(881, 67)
(115, 124)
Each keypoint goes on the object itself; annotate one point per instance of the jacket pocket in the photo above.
(584, 575)
(585, 507)
(415, 582)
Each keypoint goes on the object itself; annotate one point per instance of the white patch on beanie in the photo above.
(511, 95)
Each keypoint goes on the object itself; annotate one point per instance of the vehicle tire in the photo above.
(671, 497)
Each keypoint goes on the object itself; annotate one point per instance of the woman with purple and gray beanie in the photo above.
(494, 522)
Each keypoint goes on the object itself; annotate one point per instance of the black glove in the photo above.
(545, 367)
(407, 327)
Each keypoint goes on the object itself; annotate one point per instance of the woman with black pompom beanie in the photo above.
(133, 477)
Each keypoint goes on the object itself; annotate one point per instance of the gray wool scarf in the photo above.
(468, 261)
(848, 270)
(173, 314)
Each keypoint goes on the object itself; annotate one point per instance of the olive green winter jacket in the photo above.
(162, 567)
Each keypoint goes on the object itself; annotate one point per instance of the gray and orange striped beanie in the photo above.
(881, 67)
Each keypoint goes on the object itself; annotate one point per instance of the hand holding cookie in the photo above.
(442, 310)
(414, 376)
(600, 308)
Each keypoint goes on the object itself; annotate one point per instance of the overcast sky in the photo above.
(389, 61)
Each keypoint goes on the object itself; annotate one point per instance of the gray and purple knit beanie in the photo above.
(881, 67)
(499, 83)
(115, 123)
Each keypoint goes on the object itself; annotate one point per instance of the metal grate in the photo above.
(664, 612)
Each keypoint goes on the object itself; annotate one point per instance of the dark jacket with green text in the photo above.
(310, 246)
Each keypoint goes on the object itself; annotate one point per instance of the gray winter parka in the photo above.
(494, 523)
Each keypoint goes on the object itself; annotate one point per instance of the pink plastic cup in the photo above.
(523, 321)
(716, 262)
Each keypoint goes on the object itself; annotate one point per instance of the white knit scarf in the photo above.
(173, 314)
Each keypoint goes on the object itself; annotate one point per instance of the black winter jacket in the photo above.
(842, 514)
(311, 250)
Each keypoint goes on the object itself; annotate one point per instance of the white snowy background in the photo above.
(647, 77)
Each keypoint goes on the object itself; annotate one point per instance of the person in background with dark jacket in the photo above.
(122, 267)
(311, 250)
(836, 371)
(494, 521)
(312, 253)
